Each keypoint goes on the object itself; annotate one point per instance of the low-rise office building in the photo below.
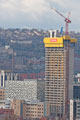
(17, 105)
(35, 109)
(2, 93)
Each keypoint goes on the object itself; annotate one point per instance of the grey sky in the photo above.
(37, 13)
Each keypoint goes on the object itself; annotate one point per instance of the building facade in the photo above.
(76, 96)
(16, 105)
(76, 91)
(59, 69)
(7, 75)
(30, 89)
(35, 109)
(2, 93)
(76, 112)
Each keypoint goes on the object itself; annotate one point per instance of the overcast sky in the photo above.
(37, 14)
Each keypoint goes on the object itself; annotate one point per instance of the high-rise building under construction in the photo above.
(59, 69)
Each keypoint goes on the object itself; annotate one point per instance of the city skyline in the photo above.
(37, 14)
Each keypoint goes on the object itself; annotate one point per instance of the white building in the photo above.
(30, 89)
(7, 75)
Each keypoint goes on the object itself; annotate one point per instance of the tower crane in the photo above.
(67, 20)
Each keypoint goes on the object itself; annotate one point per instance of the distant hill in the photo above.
(23, 50)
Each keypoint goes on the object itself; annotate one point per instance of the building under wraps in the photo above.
(59, 69)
